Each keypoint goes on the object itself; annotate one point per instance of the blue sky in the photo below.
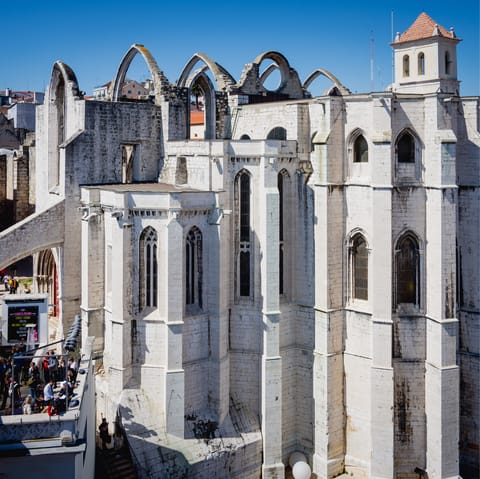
(92, 37)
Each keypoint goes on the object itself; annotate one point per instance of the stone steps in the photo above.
(117, 464)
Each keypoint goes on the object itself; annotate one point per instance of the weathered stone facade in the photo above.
(303, 279)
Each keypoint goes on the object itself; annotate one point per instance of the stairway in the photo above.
(114, 464)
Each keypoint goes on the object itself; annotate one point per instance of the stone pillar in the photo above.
(217, 294)
(272, 466)
(442, 373)
(119, 263)
(173, 309)
(328, 374)
(380, 294)
(93, 262)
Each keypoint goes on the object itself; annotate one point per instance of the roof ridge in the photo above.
(424, 27)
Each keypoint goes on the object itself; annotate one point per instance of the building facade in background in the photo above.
(304, 278)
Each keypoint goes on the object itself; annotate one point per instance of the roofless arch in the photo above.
(63, 74)
(223, 79)
(252, 81)
(322, 72)
(279, 60)
(159, 79)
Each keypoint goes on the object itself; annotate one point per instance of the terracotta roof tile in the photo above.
(424, 27)
(197, 117)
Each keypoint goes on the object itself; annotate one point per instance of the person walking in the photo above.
(103, 430)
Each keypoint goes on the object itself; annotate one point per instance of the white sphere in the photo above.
(296, 457)
(301, 470)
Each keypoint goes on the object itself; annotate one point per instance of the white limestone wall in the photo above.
(258, 120)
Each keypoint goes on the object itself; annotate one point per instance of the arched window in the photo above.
(406, 66)
(242, 233)
(193, 268)
(283, 182)
(277, 133)
(406, 148)
(447, 63)
(360, 150)
(421, 63)
(358, 262)
(148, 268)
(407, 268)
(360, 267)
(245, 137)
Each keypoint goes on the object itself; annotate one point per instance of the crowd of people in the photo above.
(49, 380)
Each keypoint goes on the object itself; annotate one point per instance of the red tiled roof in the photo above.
(196, 117)
(424, 27)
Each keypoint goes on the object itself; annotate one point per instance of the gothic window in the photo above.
(243, 242)
(193, 268)
(148, 268)
(421, 63)
(360, 150)
(277, 133)
(406, 66)
(358, 261)
(406, 148)
(283, 183)
(407, 268)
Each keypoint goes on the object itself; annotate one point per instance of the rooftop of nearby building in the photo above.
(424, 27)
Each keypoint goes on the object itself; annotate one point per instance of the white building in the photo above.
(305, 278)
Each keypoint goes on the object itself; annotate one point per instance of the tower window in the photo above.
(406, 66)
(448, 63)
(421, 63)
(360, 150)
(406, 148)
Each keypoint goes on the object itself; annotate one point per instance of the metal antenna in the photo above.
(371, 60)
(393, 39)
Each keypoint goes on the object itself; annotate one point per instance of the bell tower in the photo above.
(426, 58)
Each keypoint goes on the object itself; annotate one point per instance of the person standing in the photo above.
(48, 394)
(104, 436)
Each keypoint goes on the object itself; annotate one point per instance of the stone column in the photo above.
(328, 374)
(93, 263)
(272, 466)
(119, 276)
(217, 294)
(442, 373)
(172, 253)
(380, 292)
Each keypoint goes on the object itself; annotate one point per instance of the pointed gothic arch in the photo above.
(200, 80)
(63, 84)
(342, 90)
(160, 81)
(222, 78)
(46, 278)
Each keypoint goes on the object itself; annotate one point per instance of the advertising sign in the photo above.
(18, 319)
